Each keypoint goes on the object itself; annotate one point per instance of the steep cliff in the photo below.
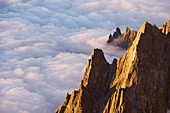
(142, 75)
(136, 83)
(92, 94)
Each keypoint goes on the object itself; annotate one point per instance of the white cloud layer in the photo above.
(45, 44)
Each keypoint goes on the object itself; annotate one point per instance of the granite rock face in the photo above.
(139, 82)
(166, 27)
(142, 75)
(91, 96)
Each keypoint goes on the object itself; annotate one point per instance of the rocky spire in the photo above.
(118, 32)
(136, 83)
(125, 39)
(142, 75)
(166, 27)
(115, 35)
(91, 95)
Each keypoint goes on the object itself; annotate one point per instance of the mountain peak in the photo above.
(96, 64)
(115, 35)
(166, 27)
(98, 54)
(124, 40)
(94, 86)
(136, 83)
(127, 29)
(142, 74)
(145, 26)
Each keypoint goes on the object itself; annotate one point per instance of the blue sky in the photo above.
(45, 44)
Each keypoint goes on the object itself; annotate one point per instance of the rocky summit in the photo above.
(139, 82)
(115, 35)
(124, 40)
(166, 27)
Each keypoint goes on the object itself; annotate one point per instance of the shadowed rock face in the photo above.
(125, 39)
(115, 35)
(139, 82)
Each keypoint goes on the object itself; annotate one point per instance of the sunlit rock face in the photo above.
(92, 94)
(142, 75)
(166, 27)
(136, 83)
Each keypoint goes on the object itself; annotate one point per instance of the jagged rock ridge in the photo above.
(136, 83)
(142, 75)
(115, 35)
(92, 94)
(125, 39)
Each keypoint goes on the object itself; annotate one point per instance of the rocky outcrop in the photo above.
(142, 75)
(125, 39)
(166, 27)
(139, 82)
(92, 94)
(115, 35)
